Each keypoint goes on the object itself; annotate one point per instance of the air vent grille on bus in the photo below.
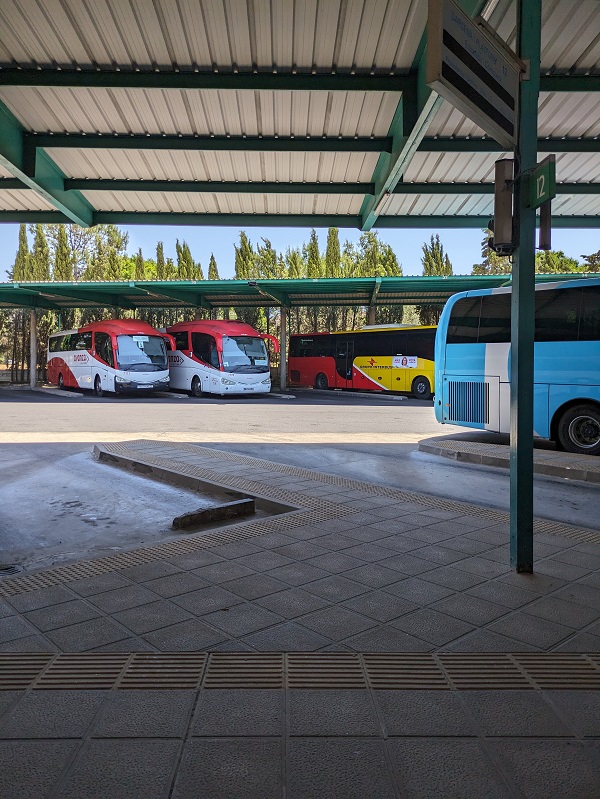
(468, 401)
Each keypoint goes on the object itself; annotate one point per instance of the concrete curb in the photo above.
(502, 461)
(58, 392)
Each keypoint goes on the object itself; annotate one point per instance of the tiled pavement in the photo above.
(387, 573)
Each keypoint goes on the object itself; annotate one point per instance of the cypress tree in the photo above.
(333, 261)
(113, 270)
(20, 269)
(63, 263)
(313, 258)
(213, 272)
(170, 270)
(245, 259)
(160, 262)
(198, 273)
(295, 264)
(40, 258)
(435, 262)
(140, 268)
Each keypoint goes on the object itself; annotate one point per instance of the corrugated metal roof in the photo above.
(187, 202)
(22, 200)
(262, 33)
(185, 112)
(227, 166)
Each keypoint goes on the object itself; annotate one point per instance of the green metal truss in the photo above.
(46, 179)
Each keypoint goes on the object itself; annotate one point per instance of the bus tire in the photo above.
(61, 382)
(421, 388)
(579, 430)
(196, 390)
(321, 381)
(98, 392)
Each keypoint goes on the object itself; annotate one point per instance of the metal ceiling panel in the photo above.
(23, 200)
(438, 204)
(186, 112)
(186, 202)
(451, 167)
(365, 34)
(217, 166)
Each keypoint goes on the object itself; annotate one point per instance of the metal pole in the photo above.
(283, 349)
(32, 349)
(371, 315)
(529, 23)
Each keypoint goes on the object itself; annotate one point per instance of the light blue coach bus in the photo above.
(472, 362)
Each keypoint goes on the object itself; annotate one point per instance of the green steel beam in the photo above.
(216, 186)
(46, 179)
(154, 141)
(237, 81)
(196, 300)
(104, 78)
(280, 220)
(85, 295)
(413, 116)
(485, 188)
(10, 184)
(442, 144)
(220, 220)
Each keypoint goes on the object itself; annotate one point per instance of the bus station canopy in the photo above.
(280, 112)
(211, 294)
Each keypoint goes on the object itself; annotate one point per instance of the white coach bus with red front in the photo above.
(219, 356)
(115, 355)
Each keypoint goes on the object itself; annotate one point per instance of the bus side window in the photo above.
(589, 322)
(557, 314)
(104, 347)
(181, 341)
(84, 342)
(201, 346)
(214, 354)
(67, 342)
(463, 327)
(494, 325)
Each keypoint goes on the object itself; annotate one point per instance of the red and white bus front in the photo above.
(219, 357)
(118, 356)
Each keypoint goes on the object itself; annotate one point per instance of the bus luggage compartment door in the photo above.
(472, 400)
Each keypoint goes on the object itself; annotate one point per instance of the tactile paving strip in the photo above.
(297, 670)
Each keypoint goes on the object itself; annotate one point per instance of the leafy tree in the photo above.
(170, 270)
(268, 263)
(83, 242)
(491, 262)
(198, 273)
(333, 260)
(160, 262)
(294, 263)
(185, 262)
(591, 262)
(213, 272)
(435, 262)
(555, 262)
(113, 269)
(139, 266)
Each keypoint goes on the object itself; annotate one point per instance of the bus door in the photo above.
(104, 358)
(344, 357)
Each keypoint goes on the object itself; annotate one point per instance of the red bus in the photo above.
(375, 358)
(220, 356)
(116, 355)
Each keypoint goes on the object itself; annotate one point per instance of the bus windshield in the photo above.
(246, 354)
(141, 353)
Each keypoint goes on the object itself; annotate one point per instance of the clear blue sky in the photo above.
(463, 246)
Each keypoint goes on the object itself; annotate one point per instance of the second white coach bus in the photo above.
(219, 356)
(115, 355)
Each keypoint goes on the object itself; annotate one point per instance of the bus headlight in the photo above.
(268, 380)
(122, 380)
(227, 382)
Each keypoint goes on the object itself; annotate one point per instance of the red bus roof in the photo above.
(223, 327)
(126, 327)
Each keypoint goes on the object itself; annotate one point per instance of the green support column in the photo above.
(529, 21)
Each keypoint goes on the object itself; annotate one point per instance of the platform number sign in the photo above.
(542, 183)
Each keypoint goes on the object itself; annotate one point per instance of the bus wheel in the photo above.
(579, 430)
(421, 388)
(98, 386)
(61, 381)
(196, 387)
(321, 381)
